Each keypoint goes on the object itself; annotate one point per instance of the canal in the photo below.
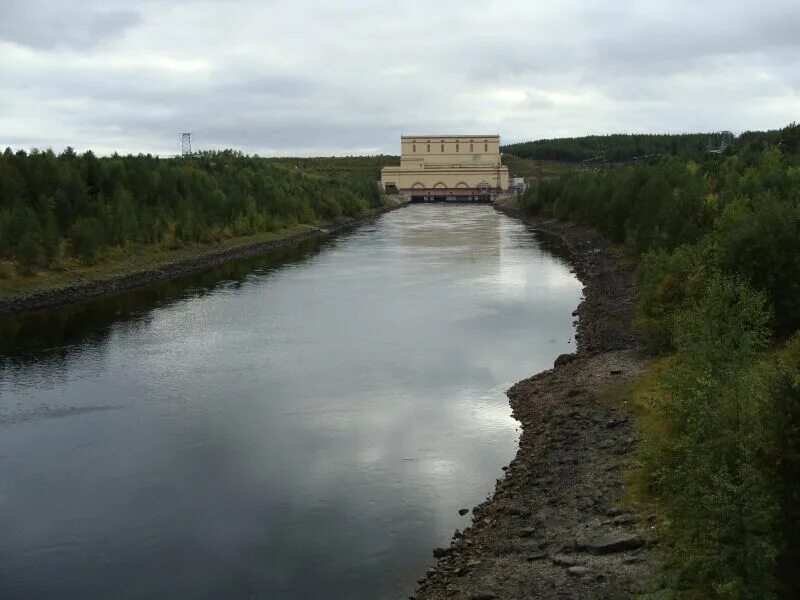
(305, 424)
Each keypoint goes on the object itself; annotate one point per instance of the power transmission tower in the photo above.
(186, 145)
(726, 140)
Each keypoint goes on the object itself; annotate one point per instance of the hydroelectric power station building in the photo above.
(454, 168)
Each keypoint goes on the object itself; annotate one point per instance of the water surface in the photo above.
(304, 424)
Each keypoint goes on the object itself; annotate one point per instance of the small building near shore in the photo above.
(465, 168)
(517, 185)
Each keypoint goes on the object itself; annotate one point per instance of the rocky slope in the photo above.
(556, 526)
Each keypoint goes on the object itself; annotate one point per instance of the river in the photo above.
(305, 424)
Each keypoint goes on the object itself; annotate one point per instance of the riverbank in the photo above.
(557, 525)
(64, 289)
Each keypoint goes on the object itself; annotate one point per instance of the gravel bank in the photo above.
(555, 527)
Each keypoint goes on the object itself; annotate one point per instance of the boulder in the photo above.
(564, 359)
(565, 561)
(610, 543)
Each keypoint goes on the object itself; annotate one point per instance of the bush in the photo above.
(6, 270)
(760, 241)
(667, 283)
(712, 469)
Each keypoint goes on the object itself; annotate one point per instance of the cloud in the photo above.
(48, 25)
(349, 76)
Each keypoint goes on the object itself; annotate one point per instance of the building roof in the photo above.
(442, 136)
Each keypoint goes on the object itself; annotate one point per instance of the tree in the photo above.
(714, 463)
(86, 235)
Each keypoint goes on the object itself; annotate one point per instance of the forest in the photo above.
(58, 209)
(627, 147)
(716, 243)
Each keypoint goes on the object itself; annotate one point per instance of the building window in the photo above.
(486, 147)
(442, 147)
(456, 147)
(414, 148)
(470, 147)
(429, 147)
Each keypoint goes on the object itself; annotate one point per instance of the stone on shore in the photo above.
(564, 359)
(610, 543)
(565, 561)
(624, 519)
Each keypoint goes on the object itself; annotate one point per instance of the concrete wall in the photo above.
(452, 178)
(450, 150)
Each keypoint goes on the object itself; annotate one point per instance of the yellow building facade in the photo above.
(461, 167)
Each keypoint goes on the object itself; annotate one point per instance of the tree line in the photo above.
(717, 247)
(58, 208)
(626, 147)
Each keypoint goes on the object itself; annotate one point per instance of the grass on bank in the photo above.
(119, 262)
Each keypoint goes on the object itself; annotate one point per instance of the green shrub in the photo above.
(667, 283)
(712, 469)
(7, 270)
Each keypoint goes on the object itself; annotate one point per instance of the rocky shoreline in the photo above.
(85, 290)
(556, 526)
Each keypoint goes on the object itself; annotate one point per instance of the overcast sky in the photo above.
(347, 77)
